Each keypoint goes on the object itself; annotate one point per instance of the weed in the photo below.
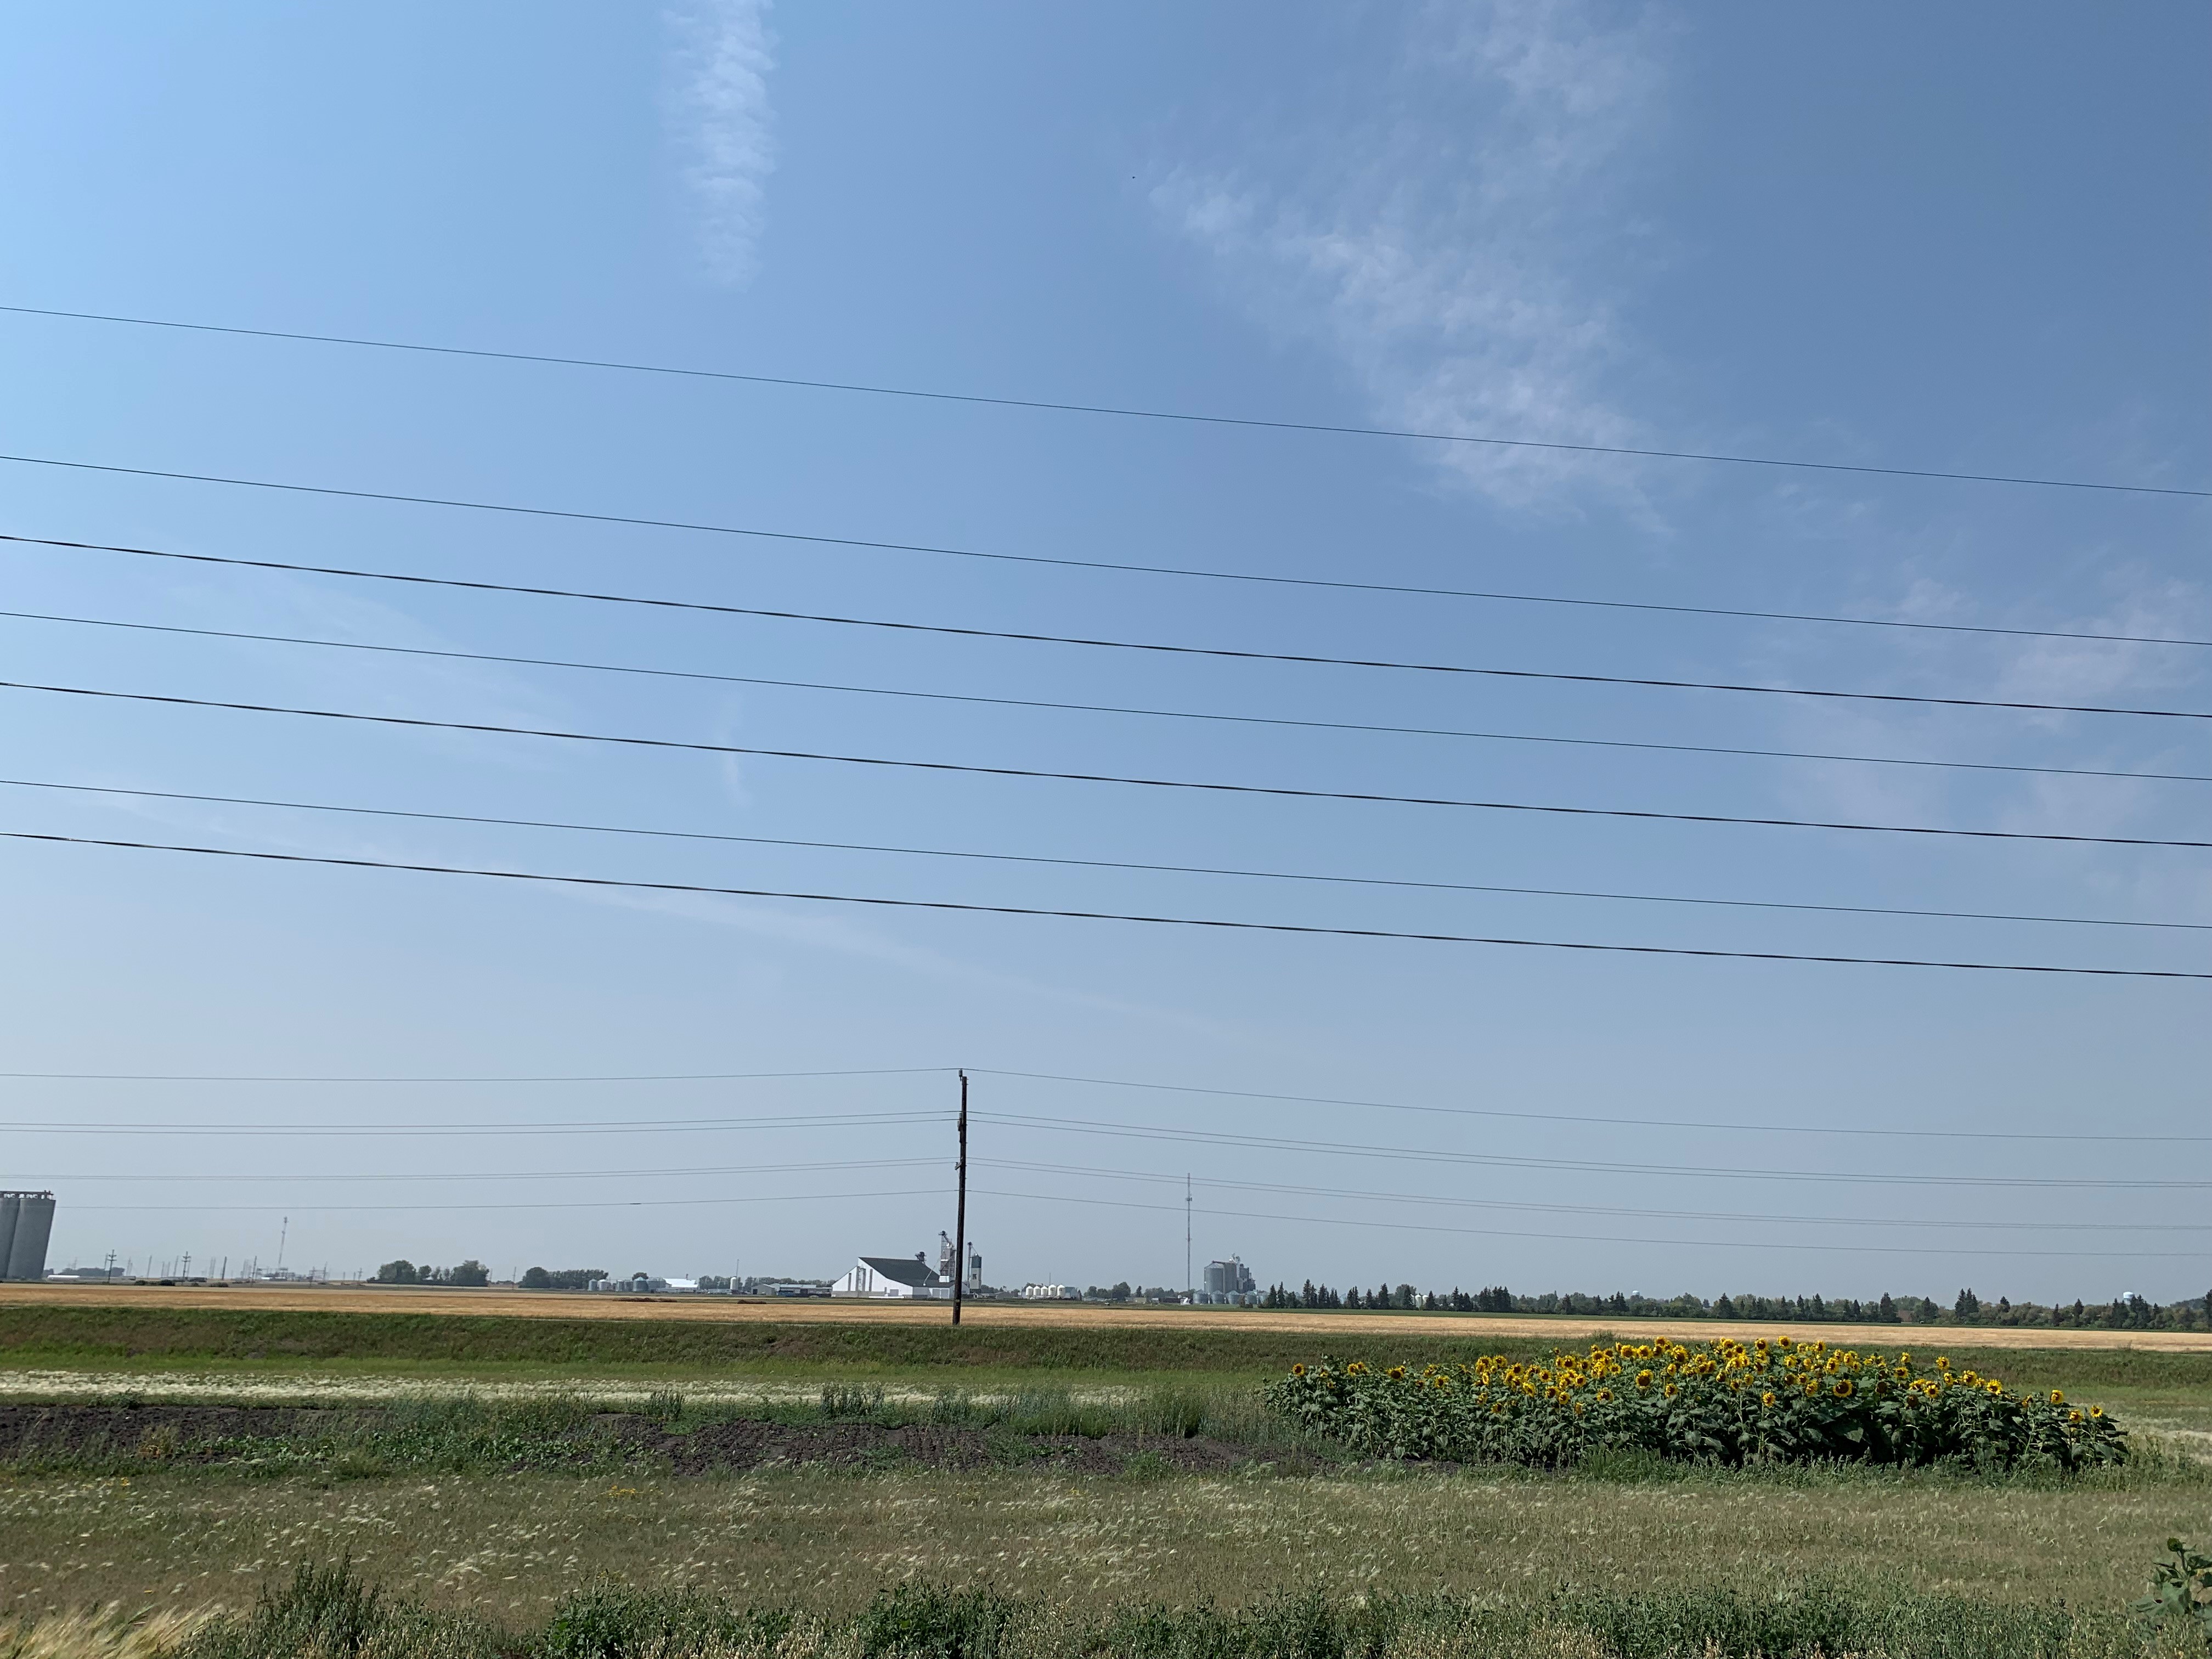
(2180, 1591)
(611, 1621)
(844, 1402)
(1146, 1466)
(914, 1620)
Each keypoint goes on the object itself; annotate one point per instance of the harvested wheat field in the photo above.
(553, 1304)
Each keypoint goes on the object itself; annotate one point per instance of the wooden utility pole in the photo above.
(960, 1210)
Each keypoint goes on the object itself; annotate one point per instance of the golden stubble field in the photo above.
(545, 1304)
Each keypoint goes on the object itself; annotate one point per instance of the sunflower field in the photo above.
(1724, 1401)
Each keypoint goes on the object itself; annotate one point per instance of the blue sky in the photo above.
(1972, 241)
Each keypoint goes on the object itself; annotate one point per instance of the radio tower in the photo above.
(1189, 1288)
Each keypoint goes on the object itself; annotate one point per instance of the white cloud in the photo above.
(723, 124)
(1459, 254)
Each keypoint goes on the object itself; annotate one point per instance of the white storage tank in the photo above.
(27, 1221)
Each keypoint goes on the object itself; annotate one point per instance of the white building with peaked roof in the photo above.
(893, 1278)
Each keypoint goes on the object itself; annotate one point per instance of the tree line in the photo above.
(2126, 1312)
(471, 1273)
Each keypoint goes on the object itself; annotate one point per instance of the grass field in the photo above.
(513, 1544)
(484, 1527)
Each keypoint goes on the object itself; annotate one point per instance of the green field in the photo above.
(1059, 1490)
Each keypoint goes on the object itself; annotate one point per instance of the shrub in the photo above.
(609, 1621)
(1722, 1401)
(922, 1621)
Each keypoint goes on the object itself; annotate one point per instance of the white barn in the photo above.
(890, 1278)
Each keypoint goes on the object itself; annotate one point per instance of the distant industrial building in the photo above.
(27, 1222)
(894, 1278)
(1051, 1293)
(1229, 1282)
(946, 1250)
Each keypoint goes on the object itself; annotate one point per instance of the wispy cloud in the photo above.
(723, 124)
(1460, 255)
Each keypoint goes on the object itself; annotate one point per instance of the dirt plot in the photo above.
(145, 1431)
(215, 1434)
(553, 1304)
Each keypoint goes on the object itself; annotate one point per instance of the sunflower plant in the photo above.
(1776, 1401)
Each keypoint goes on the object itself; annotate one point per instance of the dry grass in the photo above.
(100, 1634)
(340, 1298)
(507, 1546)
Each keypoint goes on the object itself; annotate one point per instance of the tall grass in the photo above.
(326, 1613)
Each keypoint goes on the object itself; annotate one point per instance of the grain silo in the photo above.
(27, 1221)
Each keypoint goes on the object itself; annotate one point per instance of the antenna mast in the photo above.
(1189, 1289)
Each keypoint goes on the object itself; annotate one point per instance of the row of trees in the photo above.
(2122, 1313)
(471, 1273)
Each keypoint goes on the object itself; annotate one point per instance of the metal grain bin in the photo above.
(34, 1224)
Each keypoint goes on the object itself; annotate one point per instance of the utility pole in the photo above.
(281, 1239)
(1189, 1288)
(960, 1209)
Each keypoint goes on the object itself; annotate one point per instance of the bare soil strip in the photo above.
(554, 1304)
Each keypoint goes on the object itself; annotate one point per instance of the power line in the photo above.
(1277, 791)
(1585, 1238)
(1099, 915)
(1126, 1203)
(1101, 708)
(1084, 864)
(599, 1173)
(447, 1125)
(1503, 1160)
(1601, 1209)
(603, 1172)
(623, 1126)
(1574, 1117)
(1115, 411)
(548, 1204)
(1158, 647)
(1317, 582)
(568, 1076)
